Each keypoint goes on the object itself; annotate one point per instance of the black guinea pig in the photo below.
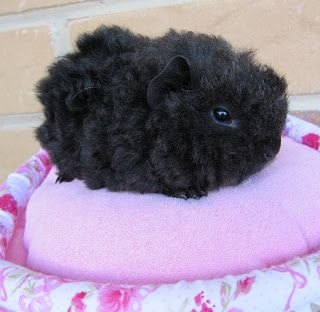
(180, 114)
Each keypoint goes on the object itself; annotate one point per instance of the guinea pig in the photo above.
(180, 114)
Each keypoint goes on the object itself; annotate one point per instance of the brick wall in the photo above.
(33, 32)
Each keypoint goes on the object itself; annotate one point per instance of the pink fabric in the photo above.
(129, 238)
(16, 252)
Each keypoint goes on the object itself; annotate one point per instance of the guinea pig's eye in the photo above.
(222, 115)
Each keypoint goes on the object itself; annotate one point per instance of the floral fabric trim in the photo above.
(292, 286)
(303, 132)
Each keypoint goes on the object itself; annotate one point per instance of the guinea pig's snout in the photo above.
(271, 151)
(269, 155)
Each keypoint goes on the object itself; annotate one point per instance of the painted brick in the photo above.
(285, 33)
(14, 6)
(24, 54)
(17, 146)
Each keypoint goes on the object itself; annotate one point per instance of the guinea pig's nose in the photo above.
(269, 155)
(270, 152)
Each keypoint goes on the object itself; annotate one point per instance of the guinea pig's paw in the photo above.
(193, 192)
(63, 178)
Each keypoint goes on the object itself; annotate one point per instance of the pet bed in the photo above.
(156, 239)
(291, 286)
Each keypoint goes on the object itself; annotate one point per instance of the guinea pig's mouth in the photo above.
(257, 169)
(266, 162)
(256, 164)
(269, 162)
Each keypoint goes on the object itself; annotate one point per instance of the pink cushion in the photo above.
(129, 238)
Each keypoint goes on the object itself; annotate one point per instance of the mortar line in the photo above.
(60, 37)
(304, 102)
(18, 121)
(45, 16)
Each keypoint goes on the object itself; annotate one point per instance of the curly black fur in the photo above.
(132, 113)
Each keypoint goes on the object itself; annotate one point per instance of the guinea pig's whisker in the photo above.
(76, 94)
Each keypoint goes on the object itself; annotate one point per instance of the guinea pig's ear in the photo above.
(174, 76)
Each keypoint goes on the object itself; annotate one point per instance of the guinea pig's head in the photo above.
(233, 108)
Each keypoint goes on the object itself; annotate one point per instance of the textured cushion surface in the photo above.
(130, 238)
